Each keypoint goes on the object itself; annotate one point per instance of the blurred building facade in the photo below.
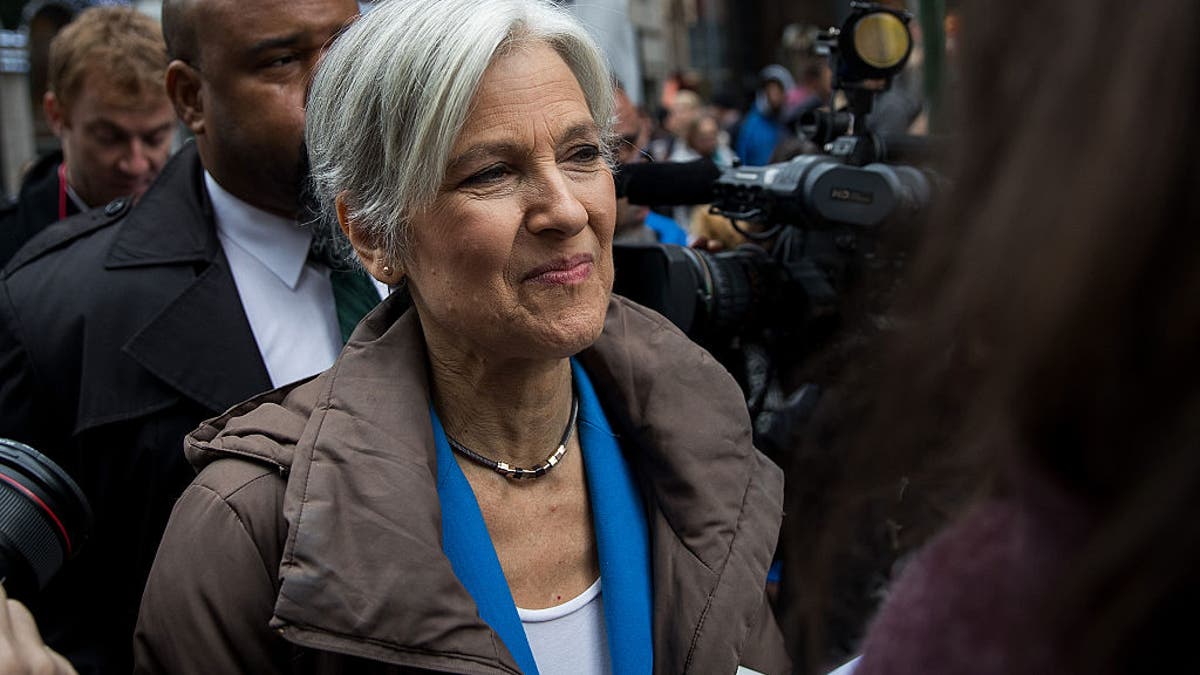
(723, 42)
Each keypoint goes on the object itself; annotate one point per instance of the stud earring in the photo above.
(387, 271)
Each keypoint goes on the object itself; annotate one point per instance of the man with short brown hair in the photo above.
(108, 106)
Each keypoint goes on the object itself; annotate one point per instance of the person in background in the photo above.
(106, 103)
(728, 108)
(511, 475)
(122, 328)
(637, 223)
(815, 90)
(704, 141)
(1041, 394)
(700, 139)
(685, 107)
(763, 127)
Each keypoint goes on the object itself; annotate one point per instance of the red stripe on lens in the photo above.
(45, 508)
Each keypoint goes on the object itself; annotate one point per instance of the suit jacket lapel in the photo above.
(200, 343)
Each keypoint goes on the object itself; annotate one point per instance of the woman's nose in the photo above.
(554, 204)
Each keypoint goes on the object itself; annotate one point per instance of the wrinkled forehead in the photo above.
(532, 83)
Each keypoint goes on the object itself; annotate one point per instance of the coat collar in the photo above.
(172, 223)
(200, 343)
(363, 556)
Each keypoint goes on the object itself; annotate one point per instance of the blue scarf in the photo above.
(622, 536)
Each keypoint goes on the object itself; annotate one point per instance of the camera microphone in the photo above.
(667, 183)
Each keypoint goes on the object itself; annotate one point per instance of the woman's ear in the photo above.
(374, 258)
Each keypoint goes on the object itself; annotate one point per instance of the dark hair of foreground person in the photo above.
(1039, 392)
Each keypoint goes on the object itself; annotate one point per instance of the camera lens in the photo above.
(739, 288)
(823, 126)
(44, 519)
(709, 296)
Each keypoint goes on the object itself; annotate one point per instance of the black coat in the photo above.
(36, 207)
(120, 330)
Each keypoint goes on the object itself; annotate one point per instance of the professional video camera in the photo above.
(812, 220)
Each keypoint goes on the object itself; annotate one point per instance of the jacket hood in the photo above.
(777, 73)
(362, 508)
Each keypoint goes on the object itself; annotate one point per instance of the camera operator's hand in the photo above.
(710, 245)
(22, 651)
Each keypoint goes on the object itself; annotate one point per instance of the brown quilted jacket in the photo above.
(310, 541)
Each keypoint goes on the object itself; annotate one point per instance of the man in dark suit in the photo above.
(122, 328)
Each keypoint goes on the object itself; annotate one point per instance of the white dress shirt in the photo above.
(287, 298)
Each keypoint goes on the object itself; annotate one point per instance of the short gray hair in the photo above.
(392, 94)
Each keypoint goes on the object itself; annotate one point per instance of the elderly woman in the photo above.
(523, 473)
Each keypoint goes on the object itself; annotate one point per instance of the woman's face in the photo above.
(514, 257)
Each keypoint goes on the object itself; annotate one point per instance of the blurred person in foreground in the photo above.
(123, 328)
(1042, 392)
(523, 473)
(106, 103)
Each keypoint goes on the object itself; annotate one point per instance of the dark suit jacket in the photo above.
(35, 208)
(120, 330)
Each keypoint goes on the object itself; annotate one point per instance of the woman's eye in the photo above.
(488, 175)
(586, 154)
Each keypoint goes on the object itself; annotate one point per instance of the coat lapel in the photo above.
(200, 343)
(671, 399)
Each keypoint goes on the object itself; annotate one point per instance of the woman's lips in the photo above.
(563, 271)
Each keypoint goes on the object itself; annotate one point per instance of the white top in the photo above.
(569, 638)
(288, 298)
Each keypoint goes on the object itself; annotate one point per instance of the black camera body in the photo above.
(816, 190)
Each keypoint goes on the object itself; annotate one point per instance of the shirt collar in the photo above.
(279, 243)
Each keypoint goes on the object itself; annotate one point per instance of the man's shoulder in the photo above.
(8, 209)
(168, 216)
(27, 213)
(73, 236)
